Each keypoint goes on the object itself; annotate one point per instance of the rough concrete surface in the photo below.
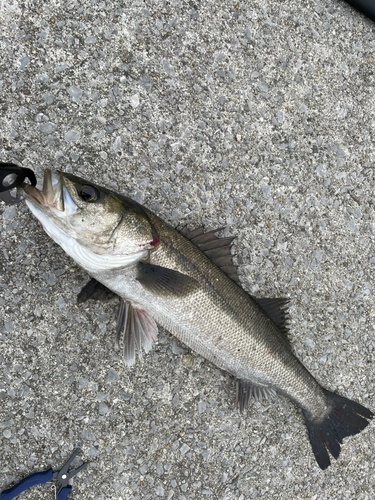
(256, 115)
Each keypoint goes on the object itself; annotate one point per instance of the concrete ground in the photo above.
(254, 115)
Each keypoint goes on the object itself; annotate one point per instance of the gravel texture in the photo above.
(258, 116)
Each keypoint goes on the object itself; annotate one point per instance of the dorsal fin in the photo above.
(277, 310)
(218, 250)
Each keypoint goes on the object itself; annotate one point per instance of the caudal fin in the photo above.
(345, 419)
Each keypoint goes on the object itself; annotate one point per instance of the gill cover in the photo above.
(110, 221)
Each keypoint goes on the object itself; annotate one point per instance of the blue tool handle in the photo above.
(25, 484)
(64, 492)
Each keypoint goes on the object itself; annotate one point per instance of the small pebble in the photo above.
(184, 449)
(103, 409)
(9, 213)
(134, 101)
(112, 376)
(187, 360)
(72, 136)
(87, 435)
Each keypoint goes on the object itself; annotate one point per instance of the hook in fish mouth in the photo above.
(52, 193)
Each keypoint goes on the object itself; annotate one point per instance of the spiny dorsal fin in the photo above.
(246, 388)
(95, 291)
(218, 250)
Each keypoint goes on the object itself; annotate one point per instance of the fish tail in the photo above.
(346, 418)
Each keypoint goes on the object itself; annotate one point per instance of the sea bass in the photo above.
(186, 282)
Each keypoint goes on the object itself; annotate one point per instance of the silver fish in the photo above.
(187, 283)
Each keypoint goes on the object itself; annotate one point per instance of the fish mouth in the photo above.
(52, 193)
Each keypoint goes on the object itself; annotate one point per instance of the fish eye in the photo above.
(88, 193)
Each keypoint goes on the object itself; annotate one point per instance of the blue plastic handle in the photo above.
(64, 492)
(25, 484)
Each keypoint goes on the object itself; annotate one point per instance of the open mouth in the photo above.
(52, 194)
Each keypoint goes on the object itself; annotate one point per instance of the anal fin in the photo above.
(245, 389)
(139, 331)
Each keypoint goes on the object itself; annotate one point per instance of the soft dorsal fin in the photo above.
(218, 250)
(277, 310)
(95, 291)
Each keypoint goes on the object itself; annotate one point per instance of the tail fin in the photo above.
(345, 419)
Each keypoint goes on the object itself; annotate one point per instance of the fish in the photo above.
(186, 282)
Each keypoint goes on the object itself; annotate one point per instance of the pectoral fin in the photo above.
(165, 282)
(95, 291)
(139, 331)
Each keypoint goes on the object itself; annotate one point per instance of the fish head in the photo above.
(97, 227)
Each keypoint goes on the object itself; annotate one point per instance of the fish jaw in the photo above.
(53, 196)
